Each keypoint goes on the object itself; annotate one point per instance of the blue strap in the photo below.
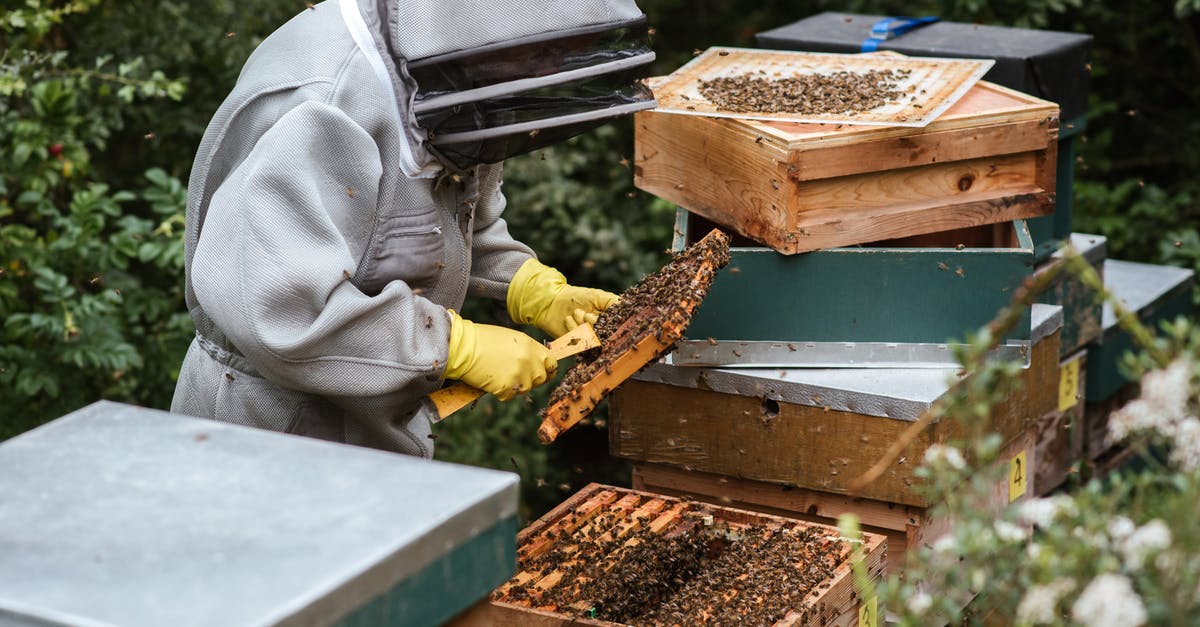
(890, 27)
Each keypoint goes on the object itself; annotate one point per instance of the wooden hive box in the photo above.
(815, 429)
(906, 526)
(609, 530)
(898, 303)
(801, 187)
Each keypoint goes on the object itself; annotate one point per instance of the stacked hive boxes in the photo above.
(813, 352)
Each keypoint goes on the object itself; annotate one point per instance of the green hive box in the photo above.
(118, 515)
(1082, 309)
(896, 304)
(1155, 293)
(1052, 65)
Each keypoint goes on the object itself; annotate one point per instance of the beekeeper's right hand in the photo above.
(495, 359)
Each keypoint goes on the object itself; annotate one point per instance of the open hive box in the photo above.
(796, 187)
(615, 556)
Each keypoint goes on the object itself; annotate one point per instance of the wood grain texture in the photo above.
(1060, 435)
(905, 526)
(803, 187)
(801, 445)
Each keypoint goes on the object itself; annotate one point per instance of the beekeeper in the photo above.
(346, 199)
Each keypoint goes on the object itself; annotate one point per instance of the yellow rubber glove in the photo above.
(494, 359)
(539, 295)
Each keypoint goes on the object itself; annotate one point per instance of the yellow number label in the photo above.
(1018, 477)
(1068, 386)
(868, 613)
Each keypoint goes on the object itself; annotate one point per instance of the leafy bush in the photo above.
(1118, 550)
(90, 291)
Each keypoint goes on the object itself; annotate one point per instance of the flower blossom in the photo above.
(1109, 601)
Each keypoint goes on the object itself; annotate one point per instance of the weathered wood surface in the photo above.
(1060, 433)
(905, 526)
(801, 187)
(801, 445)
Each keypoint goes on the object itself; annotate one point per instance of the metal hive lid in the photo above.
(122, 515)
(898, 393)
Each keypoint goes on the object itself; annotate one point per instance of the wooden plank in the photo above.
(904, 526)
(906, 151)
(580, 513)
(1060, 438)
(728, 177)
(928, 186)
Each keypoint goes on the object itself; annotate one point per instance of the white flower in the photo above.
(1008, 532)
(1120, 527)
(1150, 538)
(1109, 601)
(1042, 511)
(1040, 603)
(943, 454)
(1034, 550)
(1163, 408)
(978, 579)
(945, 544)
(1185, 451)
(919, 603)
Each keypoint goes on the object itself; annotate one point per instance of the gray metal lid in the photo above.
(898, 393)
(128, 516)
(1094, 248)
(1141, 286)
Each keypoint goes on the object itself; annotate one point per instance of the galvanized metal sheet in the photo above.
(902, 393)
(1094, 248)
(737, 354)
(933, 85)
(1140, 286)
(1044, 320)
(127, 516)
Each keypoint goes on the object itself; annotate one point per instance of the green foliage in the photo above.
(1120, 550)
(90, 291)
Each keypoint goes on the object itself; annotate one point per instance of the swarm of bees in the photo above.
(759, 572)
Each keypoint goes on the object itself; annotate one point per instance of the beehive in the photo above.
(613, 556)
(905, 526)
(813, 428)
(899, 303)
(801, 187)
(121, 515)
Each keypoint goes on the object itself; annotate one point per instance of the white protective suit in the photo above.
(325, 240)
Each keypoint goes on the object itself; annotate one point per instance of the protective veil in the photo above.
(342, 200)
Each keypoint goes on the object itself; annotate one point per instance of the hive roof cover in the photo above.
(118, 515)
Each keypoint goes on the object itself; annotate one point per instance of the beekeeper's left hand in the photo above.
(540, 295)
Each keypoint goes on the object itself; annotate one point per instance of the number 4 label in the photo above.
(1018, 477)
